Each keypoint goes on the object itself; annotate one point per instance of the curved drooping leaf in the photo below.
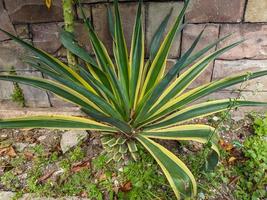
(179, 176)
(69, 42)
(201, 110)
(195, 132)
(201, 91)
(53, 62)
(91, 109)
(55, 122)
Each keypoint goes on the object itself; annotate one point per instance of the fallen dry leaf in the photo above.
(28, 155)
(80, 166)
(231, 159)
(46, 176)
(9, 151)
(225, 145)
(126, 187)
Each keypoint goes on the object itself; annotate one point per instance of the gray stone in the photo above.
(34, 97)
(6, 89)
(5, 23)
(223, 68)
(255, 45)
(32, 11)
(71, 139)
(20, 146)
(10, 56)
(256, 11)
(215, 11)
(7, 195)
(46, 37)
(156, 12)
(209, 35)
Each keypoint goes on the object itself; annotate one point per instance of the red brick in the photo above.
(215, 11)
(255, 45)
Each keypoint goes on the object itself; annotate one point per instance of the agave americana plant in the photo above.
(131, 101)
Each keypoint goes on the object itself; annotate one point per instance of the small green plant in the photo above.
(253, 172)
(260, 126)
(17, 95)
(129, 101)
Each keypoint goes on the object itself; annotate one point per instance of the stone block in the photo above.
(254, 46)
(34, 97)
(209, 35)
(6, 88)
(201, 11)
(10, 56)
(5, 23)
(33, 11)
(46, 37)
(256, 11)
(156, 12)
(100, 19)
(223, 68)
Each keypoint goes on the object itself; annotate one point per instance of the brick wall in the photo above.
(31, 20)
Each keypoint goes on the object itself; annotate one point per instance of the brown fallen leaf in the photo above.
(28, 155)
(46, 176)
(225, 145)
(231, 159)
(126, 187)
(9, 151)
(80, 166)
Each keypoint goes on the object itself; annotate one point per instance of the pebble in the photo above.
(71, 139)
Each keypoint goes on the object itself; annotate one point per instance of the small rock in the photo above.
(70, 139)
(20, 146)
(41, 138)
(7, 195)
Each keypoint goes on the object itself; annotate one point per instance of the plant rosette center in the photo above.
(120, 146)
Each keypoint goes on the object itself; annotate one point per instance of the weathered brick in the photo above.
(215, 11)
(32, 11)
(256, 11)
(34, 97)
(6, 88)
(255, 45)
(5, 22)
(100, 18)
(209, 35)
(223, 68)
(156, 12)
(46, 36)
(10, 56)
